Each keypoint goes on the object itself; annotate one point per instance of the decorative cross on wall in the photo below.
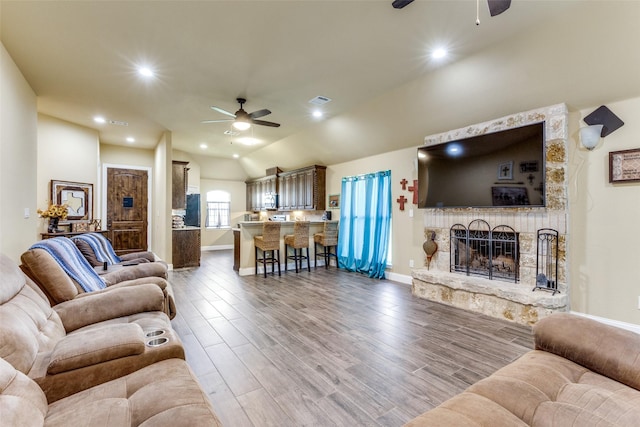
(402, 200)
(414, 190)
(404, 183)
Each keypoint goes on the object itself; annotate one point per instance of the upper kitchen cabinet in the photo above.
(303, 189)
(256, 191)
(179, 185)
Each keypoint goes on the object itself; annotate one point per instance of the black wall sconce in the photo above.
(601, 123)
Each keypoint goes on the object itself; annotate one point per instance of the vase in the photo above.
(53, 225)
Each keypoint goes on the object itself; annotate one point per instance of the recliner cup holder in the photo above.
(156, 342)
(154, 333)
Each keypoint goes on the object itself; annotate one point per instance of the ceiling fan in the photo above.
(496, 7)
(243, 120)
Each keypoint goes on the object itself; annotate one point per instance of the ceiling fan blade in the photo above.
(216, 121)
(259, 113)
(265, 123)
(225, 112)
(496, 7)
(399, 4)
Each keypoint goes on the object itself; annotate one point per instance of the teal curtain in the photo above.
(365, 223)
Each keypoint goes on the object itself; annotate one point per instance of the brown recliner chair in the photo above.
(85, 341)
(59, 286)
(165, 394)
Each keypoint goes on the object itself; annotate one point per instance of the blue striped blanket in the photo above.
(69, 257)
(101, 247)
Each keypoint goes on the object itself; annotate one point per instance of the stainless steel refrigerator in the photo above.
(192, 214)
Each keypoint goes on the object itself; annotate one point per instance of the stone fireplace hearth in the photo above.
(515, 299)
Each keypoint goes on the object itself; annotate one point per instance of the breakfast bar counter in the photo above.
(244, 249)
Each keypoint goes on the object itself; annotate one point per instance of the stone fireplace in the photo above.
(486, 259)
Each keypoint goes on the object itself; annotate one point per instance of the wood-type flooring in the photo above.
(329, 347)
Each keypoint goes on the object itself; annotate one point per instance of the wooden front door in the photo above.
(127, 209)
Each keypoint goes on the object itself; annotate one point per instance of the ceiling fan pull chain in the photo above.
(477, 12)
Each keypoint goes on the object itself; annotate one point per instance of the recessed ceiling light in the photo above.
(99, 119)
(145, 72)
(439, 53)
(235, 156)
(131, 139)
(317, 114)
(203, 146)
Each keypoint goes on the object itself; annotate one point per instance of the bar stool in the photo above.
(268, 242)
(327, 239)
(298, 240)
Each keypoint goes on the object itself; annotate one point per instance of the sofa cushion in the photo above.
(163, 394)
(607, 350)
(87, 252)
(22, 402)
(28, 325)
(45, 271)
(96, 346)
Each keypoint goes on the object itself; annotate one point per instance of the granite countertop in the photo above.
(186, 227)
(259, 223)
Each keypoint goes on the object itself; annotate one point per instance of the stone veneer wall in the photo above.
(514, 302)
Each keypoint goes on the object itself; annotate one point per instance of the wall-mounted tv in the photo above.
(500, 169)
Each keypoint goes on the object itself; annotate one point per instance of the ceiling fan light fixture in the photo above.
(241, 124)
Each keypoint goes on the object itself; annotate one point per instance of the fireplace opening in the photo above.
(479, 250)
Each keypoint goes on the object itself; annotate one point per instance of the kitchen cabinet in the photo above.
(257, 188)
(179, 183)
(303, 189)
(186, 247)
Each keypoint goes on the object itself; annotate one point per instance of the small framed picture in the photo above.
(334, 201)
(624, 166)
(505, 170)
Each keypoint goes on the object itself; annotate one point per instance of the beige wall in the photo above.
(18, 161)
(66, 152)
(161, 205)
(604, 223)
(120, 155)
(237, 189)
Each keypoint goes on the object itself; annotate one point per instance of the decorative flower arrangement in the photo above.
(54, 211)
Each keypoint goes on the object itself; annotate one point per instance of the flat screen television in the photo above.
(500, 169)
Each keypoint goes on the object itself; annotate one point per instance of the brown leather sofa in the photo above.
(107, 358)
(83, 342)
(59, 287)
(581, 373)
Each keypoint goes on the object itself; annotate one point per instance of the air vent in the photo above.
(118, 122)
(320, 100)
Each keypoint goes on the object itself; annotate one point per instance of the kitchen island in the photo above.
(244, 249)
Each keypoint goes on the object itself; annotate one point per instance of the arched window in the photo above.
(218, 209)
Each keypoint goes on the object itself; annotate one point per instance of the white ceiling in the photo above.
(80, 58)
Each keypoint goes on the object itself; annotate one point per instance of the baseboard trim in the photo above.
(396, 277)
(216, 248)
(622, 325)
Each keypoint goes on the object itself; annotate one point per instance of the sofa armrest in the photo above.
(138, 271)
(147, 256)
(605, 349)
(96, 346)
(110, 303)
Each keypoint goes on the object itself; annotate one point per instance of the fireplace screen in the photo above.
(478, 250)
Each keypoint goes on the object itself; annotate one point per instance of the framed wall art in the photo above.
(77, 196)
(334, 201)
(505, 171)
(624, 166)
